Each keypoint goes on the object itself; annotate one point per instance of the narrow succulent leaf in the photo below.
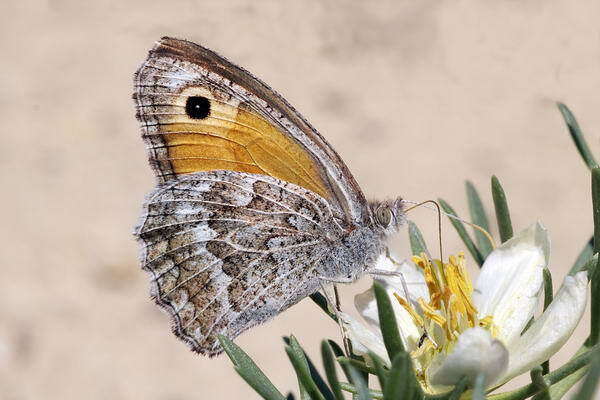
(362, 390)
(314, 373)
(348, 387)
(594, 337)
(596, 207)
(401, 379)
(537, 379)
(584, 256)
(304, 395)
(459, 389)
(417, 243)
(589, 387)
(479, 388)
(330, 371)
(249, 371)
(359, 365)
(548, 293)
(321, 301)
(478, 217)
(559, 389)
(528, 325)
(338, 352)
(595, 276)
(502, 212)
(360, 360)
(296, 356)
(462, 232)
(387, 321)
(548, 296)
(577, 136)
(380, 370)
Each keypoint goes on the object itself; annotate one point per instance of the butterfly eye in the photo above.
(383, 216)
(197, 107)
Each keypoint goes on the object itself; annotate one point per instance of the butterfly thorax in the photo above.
(353, 255)
(358, 251)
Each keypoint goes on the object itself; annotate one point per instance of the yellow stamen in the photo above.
(414, 315)
(448, 311)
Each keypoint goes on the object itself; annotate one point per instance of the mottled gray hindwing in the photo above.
(229, 250)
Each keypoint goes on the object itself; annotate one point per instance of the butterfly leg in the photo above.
(337, 309)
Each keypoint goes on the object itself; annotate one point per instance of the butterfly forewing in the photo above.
(199, 112)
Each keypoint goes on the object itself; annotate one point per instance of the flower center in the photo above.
(447, 313)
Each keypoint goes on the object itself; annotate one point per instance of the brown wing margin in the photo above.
(341, 183)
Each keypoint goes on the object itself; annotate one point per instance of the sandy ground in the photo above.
(416, 96)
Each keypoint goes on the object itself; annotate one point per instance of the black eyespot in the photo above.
(197, 107)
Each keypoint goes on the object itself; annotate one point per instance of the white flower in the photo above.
(453, 329)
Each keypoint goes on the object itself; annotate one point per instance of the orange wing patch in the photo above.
(234, 139)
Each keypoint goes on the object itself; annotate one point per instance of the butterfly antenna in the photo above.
(439, 212)
(452, 216)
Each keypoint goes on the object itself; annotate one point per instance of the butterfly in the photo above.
(253, 210)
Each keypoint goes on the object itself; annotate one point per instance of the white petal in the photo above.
(548, 334)
(363, 339)
(412, 275)
(367, 306)
(509, 285)
(476, 351)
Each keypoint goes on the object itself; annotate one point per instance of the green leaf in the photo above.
(577, 136)
(387, 322)
(348, 387)
(596, 207)
(401, 379)
(417, 243)
(462, 232)
(338, 352)
(502, 213)
(595, 277)
(380, 370)
(362, 390)
(528, 325)
(479, 388)
(321, 301)
(300, 364)
(478, 217)
(542, 386)
(330, 371)
(590, 384)
(584, 256)
(249, 371)
(548, 296)
(359, 365)
(559, 389)
(314, 373)
(459, 389)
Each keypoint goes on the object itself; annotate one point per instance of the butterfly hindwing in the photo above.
(229, 250)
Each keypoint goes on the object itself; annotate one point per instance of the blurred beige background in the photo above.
(416, 96)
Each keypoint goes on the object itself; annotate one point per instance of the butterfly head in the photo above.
(388, 215)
